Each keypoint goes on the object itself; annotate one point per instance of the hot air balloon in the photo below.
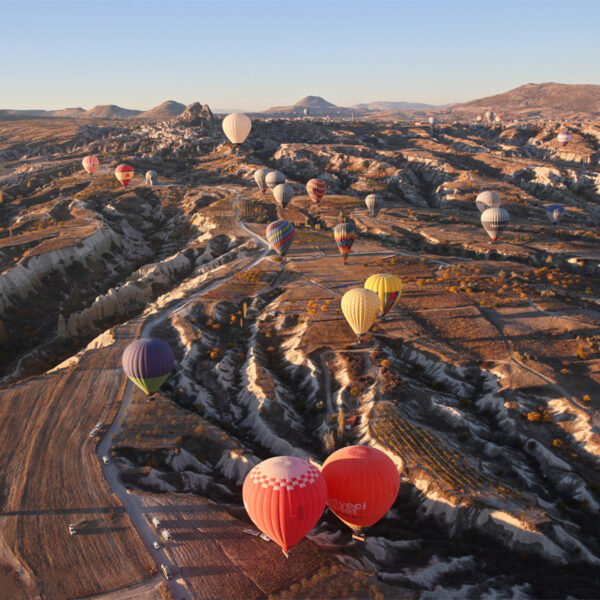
(564, 137)
(494, 221)
(274, 178)
(555, 213)
(151, 178)
(362, 485)
(148, 362)
(360, 307)
(432, 121)
(315, 188)
(237, 127)
(498, 118)
(90, 163)
(487, 200)
(283, 193)
(285, 497)
(388, 287)
(344, 234)
(479, 118)
(259, 177)
(374, 202)
(124, 173)
(280, 235)
(489, 115)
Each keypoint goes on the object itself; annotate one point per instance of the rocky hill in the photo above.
(110, 111)
(388, 106)
(535, 101)
(164, 111)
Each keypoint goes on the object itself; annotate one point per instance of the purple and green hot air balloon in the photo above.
(280, 235)
(148, 362)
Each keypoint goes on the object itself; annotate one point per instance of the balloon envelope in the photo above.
(280, 235)
(374, 202)
(555, 213)
(124, 173)
(285, 497)
(432, 121)
(388, 288)
(362, 484)
(487, 200)
(564, 137)
(259, 177)
(274, 178)
(237, 127)
(283, 193)
(360, 307)
(148, 362)
(151, 177)
(494, 221)
(316, 188)
(90, 163)
(344, 234)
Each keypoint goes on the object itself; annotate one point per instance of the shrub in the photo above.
(586, 398)
(556, 443)
(531, 444)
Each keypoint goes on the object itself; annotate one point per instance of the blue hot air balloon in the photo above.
(148, 362)
(555, 213)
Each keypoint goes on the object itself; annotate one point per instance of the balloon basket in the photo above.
(359, 537)
(286, 554)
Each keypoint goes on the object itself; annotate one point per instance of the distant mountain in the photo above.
(68, 112)
(535, 100)
(314, 102)
(164, 111)
(110, 111)
(394, 106)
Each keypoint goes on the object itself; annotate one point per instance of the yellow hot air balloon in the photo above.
(360, 307)
(237, 127)
(388, 287)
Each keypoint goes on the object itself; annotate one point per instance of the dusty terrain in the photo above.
(482, 385)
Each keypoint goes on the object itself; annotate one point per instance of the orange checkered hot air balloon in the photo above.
(124, 173)
(316, 188)
(90, 164)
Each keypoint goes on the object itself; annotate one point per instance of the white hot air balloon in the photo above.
(274, 178)
(487, 200)
(432, 121)
(259, 177)
(237, 127)
(283, 193)
(494, 221)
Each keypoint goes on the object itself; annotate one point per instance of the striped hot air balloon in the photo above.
(494, 221)
(487, 200)
(148, 362)
(360, 307)
(374, 202)
(90, 163)
(344, 234)
(280, 235)
(564, 136)
(124, 173)
(388, 287)
(283, 194)
(274, 178)
(555, 213)
(259, 177)
(316, 188)
(362, 485)
(285, 497)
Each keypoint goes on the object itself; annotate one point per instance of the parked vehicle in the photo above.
(166, 571)
(156, 522)
(99, 425)
(72, 529)
(93, 432)
(156, 545)
(166, 534)
(106, 460)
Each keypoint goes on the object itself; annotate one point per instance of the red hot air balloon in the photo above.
(315, 189)
(124, 173)
(362, 485)
(90, 163)
(285, 497)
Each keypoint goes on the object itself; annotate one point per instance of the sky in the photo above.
(253, 54)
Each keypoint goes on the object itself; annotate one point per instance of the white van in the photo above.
(165, 533)
(156, 522)
(166, 571)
